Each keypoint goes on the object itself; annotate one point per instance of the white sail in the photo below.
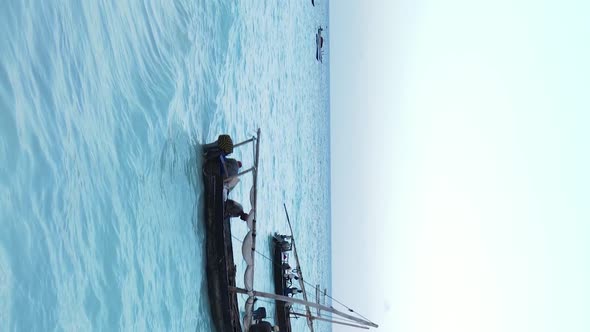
(251, 217)
(249, 307)
(249, 278)
(247, 251)
(249, 244)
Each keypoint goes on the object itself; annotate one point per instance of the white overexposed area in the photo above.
(460, 141)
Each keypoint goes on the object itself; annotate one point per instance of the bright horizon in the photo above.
(460, 186)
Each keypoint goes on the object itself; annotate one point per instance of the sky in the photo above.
(460, 133)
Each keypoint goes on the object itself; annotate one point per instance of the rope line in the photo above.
(307, 283)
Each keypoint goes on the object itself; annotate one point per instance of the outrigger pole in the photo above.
(303, 302)
(256, 155)
(329, 320)
(247, 141)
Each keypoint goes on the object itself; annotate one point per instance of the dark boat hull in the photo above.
(283, 309)
(319, 45)
(221, 270)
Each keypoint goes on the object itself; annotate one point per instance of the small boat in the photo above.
(282, 247)
(220, 266)
(221, 269)
(319, 41)
(284, 276)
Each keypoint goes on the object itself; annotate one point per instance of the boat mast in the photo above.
(301, 280)
(256, 157)
(330, 320)
(306, 303)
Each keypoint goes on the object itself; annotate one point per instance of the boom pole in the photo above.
(306, 303)
(301, 282)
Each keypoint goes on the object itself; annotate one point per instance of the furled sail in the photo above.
(249, 243)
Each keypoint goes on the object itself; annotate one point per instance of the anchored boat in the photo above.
(319, 48)
(281, 268)
(285, 276)
(219, 179)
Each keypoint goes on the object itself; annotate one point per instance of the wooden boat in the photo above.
(281, 248)
(221, 268)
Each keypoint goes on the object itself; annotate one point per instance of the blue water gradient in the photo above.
(103, 105)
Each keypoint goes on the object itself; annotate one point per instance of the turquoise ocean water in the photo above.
(103, 105)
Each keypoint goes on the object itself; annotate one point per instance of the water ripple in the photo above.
(103, 106)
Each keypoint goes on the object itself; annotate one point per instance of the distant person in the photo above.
(292, 291)
(234, 209)
(290, 276)
(285, 237)
(285, 245)
(287, 270)
(263, 326)
(284, 241)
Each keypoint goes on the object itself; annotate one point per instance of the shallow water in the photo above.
(102, 108)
